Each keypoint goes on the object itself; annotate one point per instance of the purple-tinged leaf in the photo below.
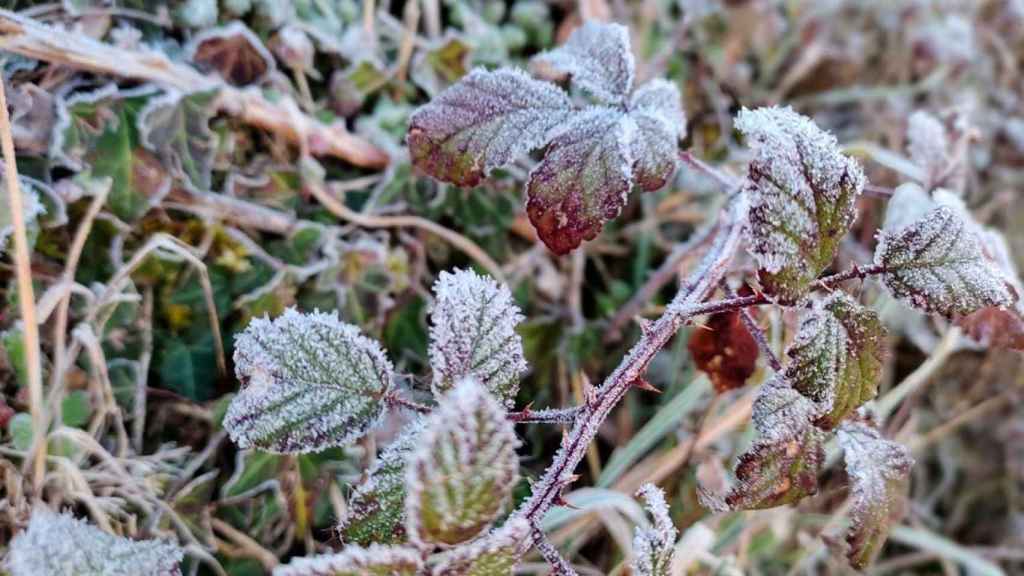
(879, 470)
(584, 179)
(938, 264)
(483, 122)
(473, 333)
(310, 382)
(653, 547)
(836, 357)
(495, 554)
(597, 58)
(802, 193)
(657, 109)
(462, 471)
(374, 560)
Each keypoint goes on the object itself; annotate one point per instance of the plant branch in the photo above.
(756, 332)
(26, 297)
(548, 416)
(728, 181)
(559, 565)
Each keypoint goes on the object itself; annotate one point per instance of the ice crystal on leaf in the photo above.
(473, 333)
(584, 179)
(598, 60)
(653, 547)
(495, 554)
(484, 122)
(374, 560)
(836, 357)
(463, 468)
(878, 471)
(938, 264)
(782, 465)
(594, 154)
(802, 193)
(59, 544)
(376, 508)
(309, 381)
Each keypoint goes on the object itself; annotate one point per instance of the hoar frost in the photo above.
(653, 547)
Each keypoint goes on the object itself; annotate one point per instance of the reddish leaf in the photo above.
(233, 51)
(995, 326)
(725, 350)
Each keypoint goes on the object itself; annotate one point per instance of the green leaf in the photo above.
(879, 471)
(836, 357)
(374, 560)
(938, 264)
(252, 468)
(803, 193)
(192, 505)
(309, 382)
(32, 208)
(493, 555)
(376, 508)
(20, 429)
(76, 408)
(473, 333)
(463, 468)
(176, 127)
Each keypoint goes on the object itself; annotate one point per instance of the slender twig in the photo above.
(559, 565)
(26, 297)
(397, 400)
(878, 191)
(548, 416)
(756, 332)
(727, 180)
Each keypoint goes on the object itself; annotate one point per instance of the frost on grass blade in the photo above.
(310, 382)
(495, 554)
(59, 544)
(657, 109)
(782, 465)
(879, 470)
(483, 122)
(836, 357)
(473, 333)
(938, 264)
(583, 180)
(653, 547)
(597, 58)
(376, 508)
(802, 194)
(374, 560)
(463, 468)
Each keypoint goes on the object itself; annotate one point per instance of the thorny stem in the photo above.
(756, 332)
(559, 565)
(549, 416)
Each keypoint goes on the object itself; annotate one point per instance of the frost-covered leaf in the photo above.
(59, 544)
(176, 127)
(32, 208)
(373, 560)
(310, 382)
(724, 350)
(483, 122)
(233, 51)
(938, 264)
(653, 547)
(927, 144)
(782, 465)
(441, 64)
(879, 470)
(584, 179)
(473, 333)
(657, 109)
(997, 325)
(597, 58)
(802, 193)
(463, 468)
(836, 357)
(376, 508)
(495, 554)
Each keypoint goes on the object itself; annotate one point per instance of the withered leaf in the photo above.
(724, 350)
(233, 51)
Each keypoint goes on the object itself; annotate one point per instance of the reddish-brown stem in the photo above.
(547, 416)
(756, 332)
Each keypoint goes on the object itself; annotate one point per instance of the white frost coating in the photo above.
(653, 547)
(927, 143)
(657, 109)
(937, 264)
(797, 180)
(781, 414)
(60, 544)
(463, 469)
(375, 559)
(473, 333)
(310, 382)
(908, 204)
(598, 59)
(495, 554)
(32, 209)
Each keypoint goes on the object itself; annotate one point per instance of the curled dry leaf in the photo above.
(473, 333)
(462, 471)
(725, 350)
(60, 544)
(836, 357)
(938, 264)
(373, 560)
(879, 470)
(653, 547)
(233, 51)
(310, 382)
(802, 194)
(495, 554)
(597, 58)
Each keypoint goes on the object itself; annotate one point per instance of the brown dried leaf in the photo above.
(233, 51)
(725, 350)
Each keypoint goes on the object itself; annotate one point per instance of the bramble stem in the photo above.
(548, 416)
(756, 332)
(559, 565)
(727, 180)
